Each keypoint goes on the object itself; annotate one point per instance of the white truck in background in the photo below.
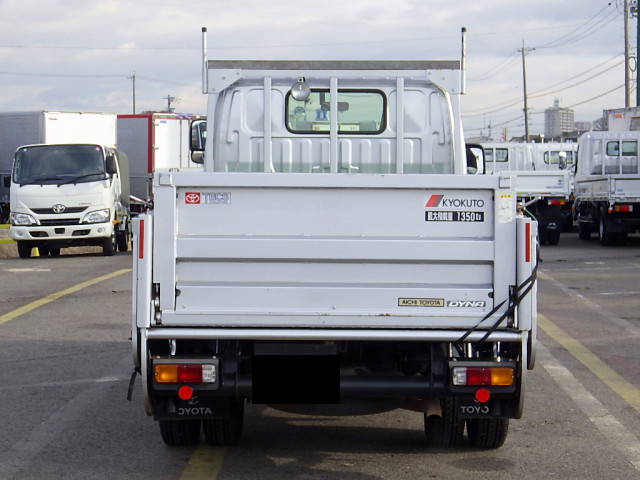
(334, 257)
(150, 141)
(544, 180)
(42, 126)
(69, 184)
(607, 185)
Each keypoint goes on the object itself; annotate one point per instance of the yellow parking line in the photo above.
(626, 390)
(205, 463)
(54, 296)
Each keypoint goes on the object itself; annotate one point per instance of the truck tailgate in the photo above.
(335, 250)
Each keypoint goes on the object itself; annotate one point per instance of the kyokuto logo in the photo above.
(192, 198)
(439, 201)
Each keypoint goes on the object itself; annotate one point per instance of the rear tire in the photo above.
(487, 432)
(606, 236)
(584, 231)
(222, 432)
(180, 433)
(553, 237)
(445, 431)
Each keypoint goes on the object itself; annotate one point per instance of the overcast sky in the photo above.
(80, 55)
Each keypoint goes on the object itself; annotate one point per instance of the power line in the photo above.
(573, 36)
(598, 96)
(543, 92)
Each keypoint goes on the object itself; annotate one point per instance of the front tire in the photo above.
(180, 433)
(24, 249)
(109, 246)
(122, 239)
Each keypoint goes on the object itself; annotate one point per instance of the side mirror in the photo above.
(475, 159)
(562, 162)
(198, 140)
(111, 165)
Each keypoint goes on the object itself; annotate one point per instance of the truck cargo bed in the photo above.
(332, 251)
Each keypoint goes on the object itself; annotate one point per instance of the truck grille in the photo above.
(60, 221)
(49, 211)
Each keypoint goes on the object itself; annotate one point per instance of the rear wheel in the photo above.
(225, 431)
(487, 432)
(553, 237)
(445, 431)
(606, 236)
(584, 231)
(180, 433)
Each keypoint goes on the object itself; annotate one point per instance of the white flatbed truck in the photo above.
(607, 186)
(334, 257)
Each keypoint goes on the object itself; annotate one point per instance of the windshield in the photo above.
(58, 164)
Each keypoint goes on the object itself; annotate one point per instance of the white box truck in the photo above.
(69, 184)
(150, 141)
(335, 258)
(22, 128)
(607, 185)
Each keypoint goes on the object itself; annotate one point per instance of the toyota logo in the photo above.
(59, 208)
(192, 198)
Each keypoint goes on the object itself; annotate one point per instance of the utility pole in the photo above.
(634, 13)
(134, 91)
(169, 99)
(627, 67)
(524, 51)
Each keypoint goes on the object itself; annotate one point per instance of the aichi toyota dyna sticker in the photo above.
(440, 209)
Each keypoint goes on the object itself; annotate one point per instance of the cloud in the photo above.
(72, 54)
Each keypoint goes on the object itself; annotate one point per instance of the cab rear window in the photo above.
(360, 112)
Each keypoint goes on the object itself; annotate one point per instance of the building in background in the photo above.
(557, 121)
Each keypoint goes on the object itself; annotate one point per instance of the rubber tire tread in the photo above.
(446, 431)
(180, 433)
(487, 433)
(24, 250)
(109, 246)
(553, 237)
(607, 238)
(224, 432)
(122, 239)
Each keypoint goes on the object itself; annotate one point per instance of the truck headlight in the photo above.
(22, 219)
(99, 216)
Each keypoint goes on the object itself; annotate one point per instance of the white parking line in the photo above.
(615, 432)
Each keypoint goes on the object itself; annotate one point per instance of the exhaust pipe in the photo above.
(205, 66)
(463, 63)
